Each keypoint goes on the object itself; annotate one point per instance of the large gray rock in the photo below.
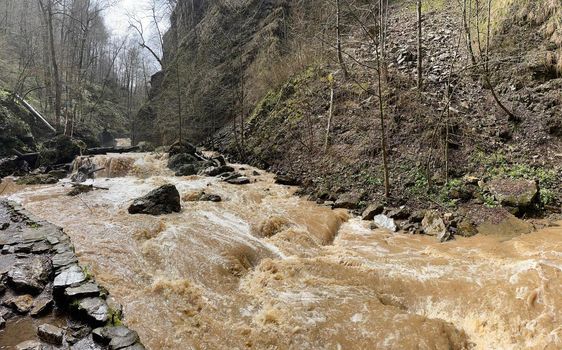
(64, 259)
(177, 161)
(187, 170)
(41, 306)
(182, 147)
(218, 170)
(95, 310)
(384, 222)
(90, 289)
(372, 210)
(163, 200)
(50, 334)
(68, 276)
(238, 181)
(86, 344)
(433, 225)
(30, 275)
(514, 193)
(115, 337)
(348, 201)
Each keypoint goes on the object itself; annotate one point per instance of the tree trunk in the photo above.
(48, 13)
(338, 40)
(419, 8)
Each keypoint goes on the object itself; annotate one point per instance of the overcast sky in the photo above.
(116, 17)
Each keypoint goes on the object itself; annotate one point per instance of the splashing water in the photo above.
(265, 269)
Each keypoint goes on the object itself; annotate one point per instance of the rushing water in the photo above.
(265, 269)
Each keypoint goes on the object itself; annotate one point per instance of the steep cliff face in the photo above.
(217, 59)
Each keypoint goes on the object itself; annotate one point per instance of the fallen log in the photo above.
(105, 150)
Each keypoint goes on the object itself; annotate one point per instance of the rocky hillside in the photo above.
(444, 148)
(224, 56)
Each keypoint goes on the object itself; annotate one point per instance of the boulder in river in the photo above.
(238, 180)
(384, 222)
(218, 170)
(286, 180)
(178, 160)
(182, 147)
(163, 200)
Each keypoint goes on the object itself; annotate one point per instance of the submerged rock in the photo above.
(163, 200)
(216, 171)
(384, 222)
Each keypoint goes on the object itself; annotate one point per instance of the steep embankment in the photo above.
(222, 57)
(435, 140)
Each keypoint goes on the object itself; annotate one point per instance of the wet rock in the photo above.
(433, 225)
(417, 216)
(401, 213)
(348, 201)
(239, 181)
(41, 306)
(95, 310)
(64, 259)
(115, 337)
(466, 228)
(40, 247)
(89, 289)
(216, 171)
(210, 198)
(286, 180)
(50, 334)
(384, 222)
(40, 179)
(182, 147)
(30, 275)
(6, 313)
(2, 323)
(23, 248)
(163, 200)
(372, 210)
(20, 304)
(219, 160)
(68, 276)
(519, 194)
(177, 161)
(187, 170)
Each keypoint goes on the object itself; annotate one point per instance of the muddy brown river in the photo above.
(265, 269)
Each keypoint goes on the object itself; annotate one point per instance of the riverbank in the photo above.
(46, 297)
(265, 268)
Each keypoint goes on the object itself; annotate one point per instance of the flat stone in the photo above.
(95, 309)
(20, 304)
(90, 289)
(23, 248)
(40, 247)
(63, 248)
(30, 275)
(239, 181)
(68, 276)
(116, 337)
(215, 171)
(50, 334)
(64, 259)
(41, 306)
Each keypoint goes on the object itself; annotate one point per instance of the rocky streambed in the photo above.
(47, 300)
